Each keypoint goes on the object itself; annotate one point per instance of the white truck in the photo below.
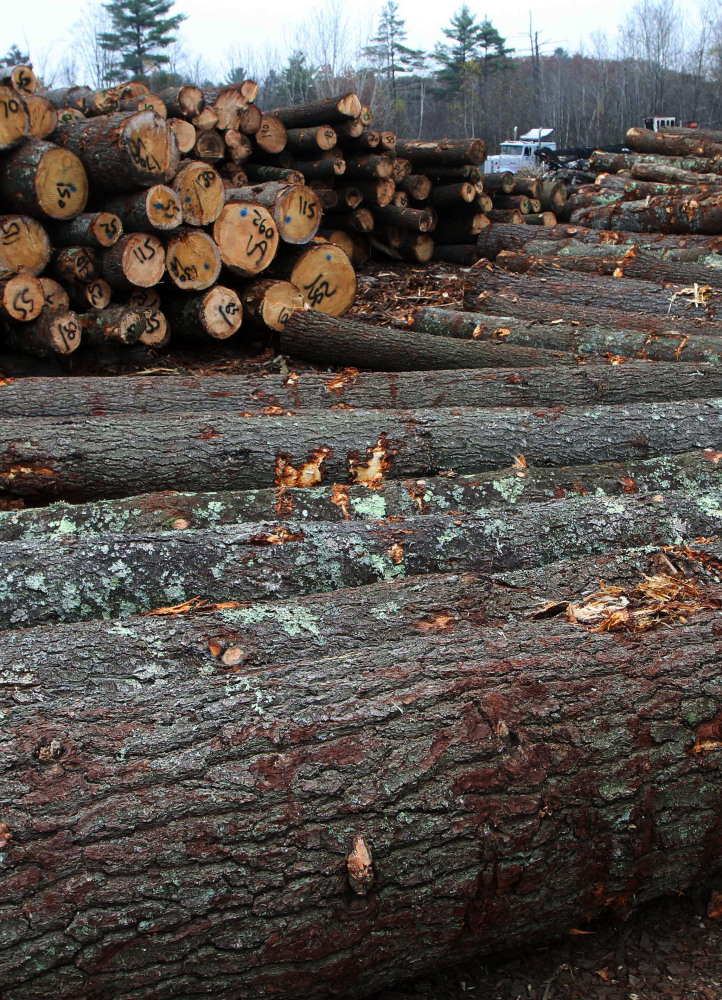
(518, 153)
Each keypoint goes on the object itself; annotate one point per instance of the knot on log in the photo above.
(360, 867)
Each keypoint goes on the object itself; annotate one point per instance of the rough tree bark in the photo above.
(584, 339)
(172, 511)
(207, 813)
(334, 341)
(118, 456)
(634, 382)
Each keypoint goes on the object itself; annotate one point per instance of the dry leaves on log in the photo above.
(192, 606)
(657, 600)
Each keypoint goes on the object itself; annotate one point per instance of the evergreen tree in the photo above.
(141, 31)
(388, 51)
(493, 53)
(297, 78)
(456, 60)
(14, 57)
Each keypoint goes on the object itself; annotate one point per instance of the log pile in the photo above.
(316, 680)
(670, 182)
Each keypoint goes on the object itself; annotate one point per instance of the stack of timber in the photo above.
(670, 182)
(124, 215)
(314, 681)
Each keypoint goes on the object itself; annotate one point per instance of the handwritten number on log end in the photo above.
(360, 868)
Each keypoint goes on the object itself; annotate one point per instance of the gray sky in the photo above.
(214, 26)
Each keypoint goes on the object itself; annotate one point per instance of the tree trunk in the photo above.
(24, 246)
(369, 167)
(362, 141)
(352, 343)
(261, 174)
(183, 102)
(574, 385)
(215, 314)
(313, 140)
(210, 147)
(493, 239)
(70, 459)
(629, 263)
(322, 273)
(91, 229)
(43, 116)
(245, 562)
(271, 135)
(185, 134)
(156, 329)
(325, 112)
(571, 289)
(21, 298)
(201, 193)
(268, 303)
(421, 762)
(540, 219)
(76, 264)
(158, 207)
(507, 302)
(329, 168)
(120, 325)
(511, 217)
(612, 163)
(14, 120)
(635, 190)
(295, 208)
(418, 186)
(660, 214)
(55, 297)
(512, 203)
(419, 220)
(123, 151)
(583, 339)
(697, 471)
(643, 140)
(673, 175)
(446, 152)
(378, 193)
(361, 220)
(42, 180)
(95, 294)
(247, 238)
(192, 258)
(20, 78)
(239, 146)
(52, 333)
(135, 260)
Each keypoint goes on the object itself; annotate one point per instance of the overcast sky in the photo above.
(213, 26)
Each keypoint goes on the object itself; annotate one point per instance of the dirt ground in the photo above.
(670, 949)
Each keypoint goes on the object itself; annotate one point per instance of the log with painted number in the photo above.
(296, 208)
(41, 179)
(247, 238)
(322, 273)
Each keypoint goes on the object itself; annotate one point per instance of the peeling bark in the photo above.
(47, 580)
(119, 456)
(171, 827)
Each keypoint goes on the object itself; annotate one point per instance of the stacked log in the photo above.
(671, 182)
(108, 193)
(301, 667)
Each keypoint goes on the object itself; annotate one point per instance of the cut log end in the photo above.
(192, 259)
(24, 246)
(21, 298)
(136, 259)
(201, 193)
(14, 118)
(247, 238)
(156, 329)
(61, 184)
(326, 279)
(271, 303)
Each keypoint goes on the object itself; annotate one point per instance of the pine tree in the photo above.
(297, 78)
(456, 60)
(388, 51)
(141, 31)
(14, 57)
(494, 55)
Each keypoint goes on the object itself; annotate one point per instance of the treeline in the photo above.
(471, 84)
